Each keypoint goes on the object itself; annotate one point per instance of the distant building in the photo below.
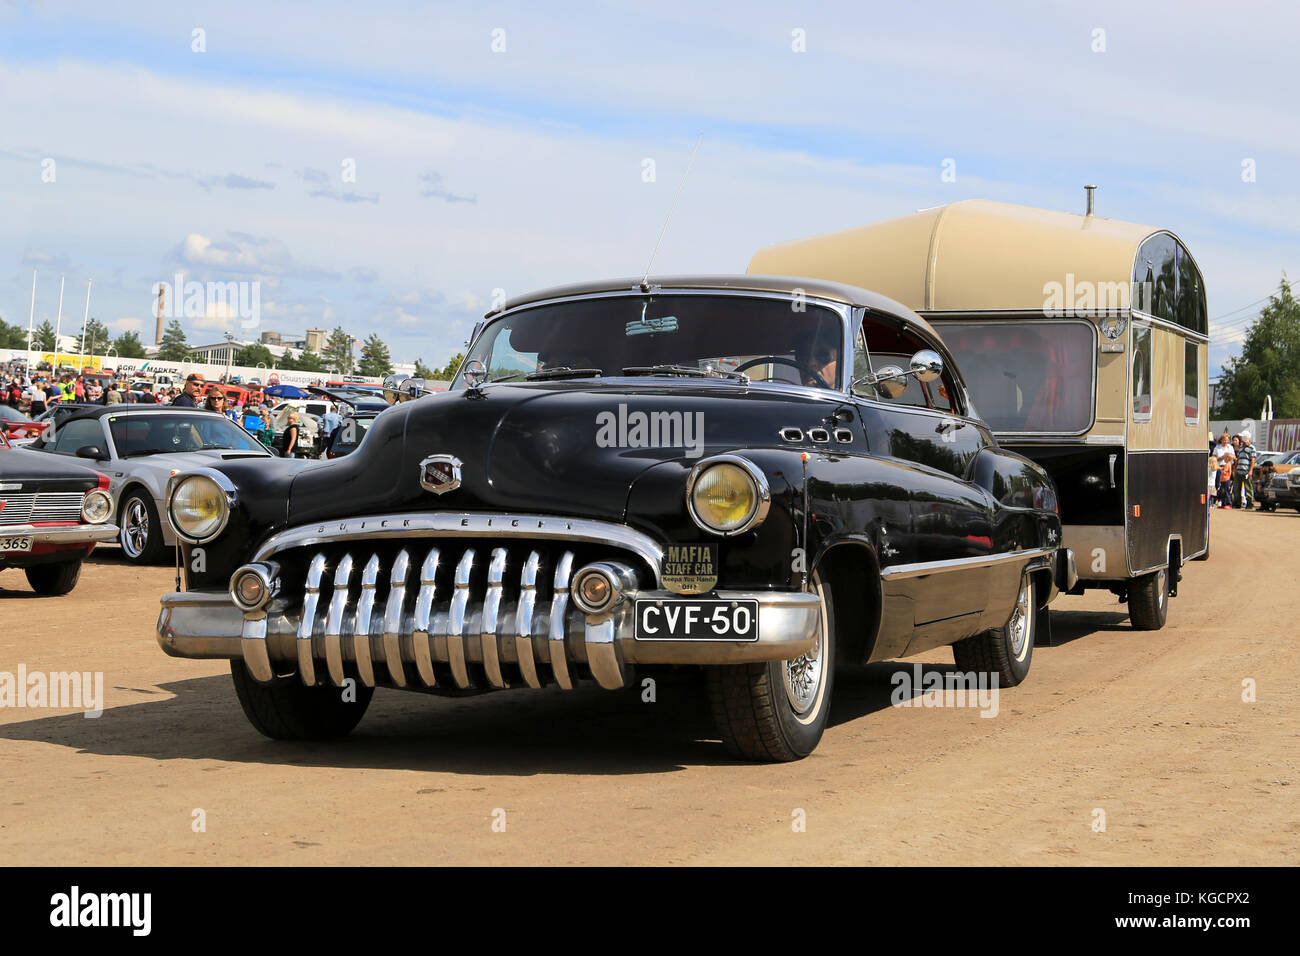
(314, 340)
(271, 337)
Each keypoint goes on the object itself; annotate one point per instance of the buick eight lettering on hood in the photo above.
(764, 477)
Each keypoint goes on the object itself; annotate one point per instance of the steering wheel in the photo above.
(783, 360)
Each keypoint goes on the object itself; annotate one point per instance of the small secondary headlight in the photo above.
(96, 506)
(198, 508)
(727, 496)
(253, 586)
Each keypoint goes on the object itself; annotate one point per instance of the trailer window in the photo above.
(1191, 383)
(1142, 372)
(1026, 376)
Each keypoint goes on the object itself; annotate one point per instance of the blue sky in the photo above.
(510, 169)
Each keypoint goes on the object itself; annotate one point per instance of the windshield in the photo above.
(779, 340)
(1026, 376)
(157, 434)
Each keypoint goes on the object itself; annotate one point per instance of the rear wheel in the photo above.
(287, 709)
(777, 711)
(1005, 651)
(1148, 601)
(53, 580)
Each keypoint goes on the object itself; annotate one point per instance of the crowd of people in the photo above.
(36, 394)
(1233, 459)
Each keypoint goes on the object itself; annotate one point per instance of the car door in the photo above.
(942, 560)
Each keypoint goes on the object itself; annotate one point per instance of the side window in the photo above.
(884, 349)
(1142, 372)
(77, 434)
(1191, 383)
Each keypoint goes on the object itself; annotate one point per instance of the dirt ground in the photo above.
(1149, 729)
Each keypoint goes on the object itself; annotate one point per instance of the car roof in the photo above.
(99, 411)
(788, 285)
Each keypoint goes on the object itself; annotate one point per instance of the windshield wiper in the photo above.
(563, 371)
(690, 370)
(147, 451)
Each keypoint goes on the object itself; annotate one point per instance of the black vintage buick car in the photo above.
(761, 476)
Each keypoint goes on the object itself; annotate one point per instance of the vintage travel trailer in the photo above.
(1084, 344)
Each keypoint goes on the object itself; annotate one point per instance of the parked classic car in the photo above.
(52, 514)
(139, 447)
(1278, 482)
(357, 410)
(626, 477)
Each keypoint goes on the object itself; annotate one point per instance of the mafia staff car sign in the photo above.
(691, 568)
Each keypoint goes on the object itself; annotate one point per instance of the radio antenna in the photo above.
(644, 285)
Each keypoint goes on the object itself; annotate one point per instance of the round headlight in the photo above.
(96, 506)
(198, 508)
(728, 497)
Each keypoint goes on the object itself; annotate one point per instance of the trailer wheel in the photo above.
(1148, 601)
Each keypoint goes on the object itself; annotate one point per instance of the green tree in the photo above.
(250, 355)
(174, 348)
(96, 336)
(448, 371)
(375, 359)
(128, 345)
(422, 370)
(338, 352)
(12, 336)
(309, 361)
(43, 337)
(1269, 363)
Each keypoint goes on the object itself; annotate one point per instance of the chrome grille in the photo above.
(45, 506)
(476, 614)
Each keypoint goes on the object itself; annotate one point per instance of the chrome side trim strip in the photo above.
(491, 609)
(420, 625)
(456, 621)
(306, 667)
(559, 607)
(524, 620)
(960, 564)
(361, 632)
(469, 525)
(334, 621)
(393, 618)
(252, 643)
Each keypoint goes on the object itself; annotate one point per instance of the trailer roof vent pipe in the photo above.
(1089, 190)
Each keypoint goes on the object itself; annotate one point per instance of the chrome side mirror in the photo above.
(392, 388)
(927, 365)
(412, 388)
(473, 372)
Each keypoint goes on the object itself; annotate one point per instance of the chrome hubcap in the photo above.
(803, 677)
(135, 528)
(1019, 624)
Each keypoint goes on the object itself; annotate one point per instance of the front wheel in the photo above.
(287, 709)
(1148, 601)
(52, 580)
(1005, 651)
(140, 532)
(776, 712)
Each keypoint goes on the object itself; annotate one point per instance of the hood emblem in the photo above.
(440, 473)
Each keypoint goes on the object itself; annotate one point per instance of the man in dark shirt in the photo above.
(193, 387)
(147, 396)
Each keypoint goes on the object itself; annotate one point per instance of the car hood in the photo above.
(42, 471)
(566, 448)
(184, 460)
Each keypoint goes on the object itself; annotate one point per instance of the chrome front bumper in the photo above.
(67, 534)
(381, 644)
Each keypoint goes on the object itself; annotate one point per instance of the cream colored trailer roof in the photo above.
(974, 255)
